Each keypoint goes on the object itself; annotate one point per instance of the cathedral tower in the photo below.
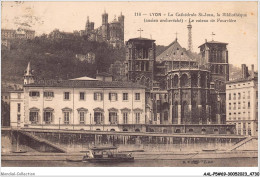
(105, 26)
(121, 20)
(140, 57)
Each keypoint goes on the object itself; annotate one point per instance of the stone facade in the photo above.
(242, 103)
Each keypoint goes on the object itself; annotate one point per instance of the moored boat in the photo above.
(106, 154)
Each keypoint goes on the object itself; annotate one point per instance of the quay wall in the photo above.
(75, 141)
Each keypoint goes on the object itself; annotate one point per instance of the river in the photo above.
(231, 162)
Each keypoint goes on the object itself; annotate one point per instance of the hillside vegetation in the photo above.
(51, 59)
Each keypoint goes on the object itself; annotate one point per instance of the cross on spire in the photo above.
(176, 35)
(212, 34)
(140, 30)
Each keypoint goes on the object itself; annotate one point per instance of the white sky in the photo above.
(43, 17)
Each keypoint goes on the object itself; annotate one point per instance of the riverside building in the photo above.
(79, 104)
(242, 102)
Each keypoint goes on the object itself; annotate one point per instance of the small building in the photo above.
(242, 102)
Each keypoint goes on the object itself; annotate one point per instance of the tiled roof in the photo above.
(84, 84)
(175, 52)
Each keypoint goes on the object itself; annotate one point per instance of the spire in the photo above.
(28, 76)
(28, 70)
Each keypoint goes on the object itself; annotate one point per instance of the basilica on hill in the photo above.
(185, 90)
(112, 33)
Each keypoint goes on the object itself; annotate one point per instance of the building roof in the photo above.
(175, 52)
(84, 78)
(84, 84)
(213, 42)
(140, 39)
(242, 80)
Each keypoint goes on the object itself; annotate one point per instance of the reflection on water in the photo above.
(233, 162)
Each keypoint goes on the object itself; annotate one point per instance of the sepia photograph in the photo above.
(129, 84)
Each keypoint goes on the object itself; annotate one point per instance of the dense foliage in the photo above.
(52, 59)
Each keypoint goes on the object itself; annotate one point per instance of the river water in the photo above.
(231, 162)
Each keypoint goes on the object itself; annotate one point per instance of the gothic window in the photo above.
(184, 80)
(175, 81)
(194, 80)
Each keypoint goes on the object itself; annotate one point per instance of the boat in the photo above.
(106, 154)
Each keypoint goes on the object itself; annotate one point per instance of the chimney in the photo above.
(252, 71)
(244, 75)
(206, 41)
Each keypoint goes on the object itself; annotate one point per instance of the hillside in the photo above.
(51, 59)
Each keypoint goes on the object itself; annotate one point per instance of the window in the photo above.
(18, 117)
(34, 94)
(98, 96)
(239, 96)
(18, 107)
(239, 105)
(98, 117)
(229, 106)
(66, 117)
(113, 117)
(33, 117)
(137, 96)
(47, 117)
(125, 117)
(248, 105)
(234, 106)
(82, 96)
(137, 117)
(66, 95)
(48, 94)
(234, 97)
(244, 105)
(112, 96)
(244, 95)
(125, 96)
(82, 117)
(229, 96)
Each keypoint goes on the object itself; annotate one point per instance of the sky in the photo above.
(241, 36)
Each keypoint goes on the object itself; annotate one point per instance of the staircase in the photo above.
(234, 147)
(41, 140)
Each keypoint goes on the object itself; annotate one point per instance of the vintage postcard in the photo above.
(129, 84)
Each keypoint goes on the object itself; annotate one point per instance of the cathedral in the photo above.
(112, 33)
(185, 91)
